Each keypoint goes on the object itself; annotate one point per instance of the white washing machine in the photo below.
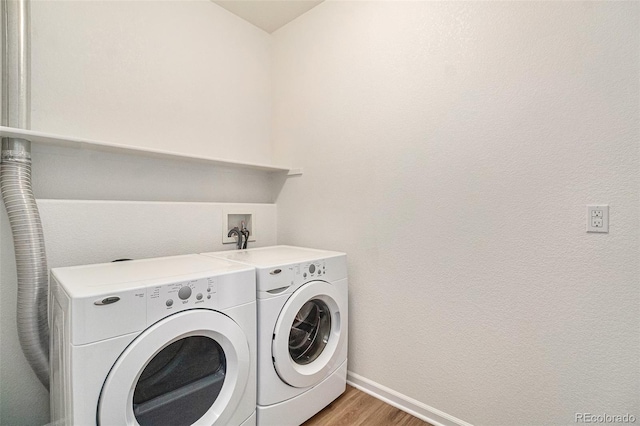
(302, 297)
(166, 341)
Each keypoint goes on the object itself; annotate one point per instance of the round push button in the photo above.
(170, 302)
(184, 293)
(199, 296)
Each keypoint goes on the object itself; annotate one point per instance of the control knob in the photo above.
(184, 293)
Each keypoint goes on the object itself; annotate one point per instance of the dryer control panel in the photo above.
(166, 299)
(278, 279)
(325, 269)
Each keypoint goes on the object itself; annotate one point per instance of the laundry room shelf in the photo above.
(73, 142)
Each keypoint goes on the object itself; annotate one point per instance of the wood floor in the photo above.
(355, 408)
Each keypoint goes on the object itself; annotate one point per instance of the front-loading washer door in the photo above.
(308, 334)
(189, 368)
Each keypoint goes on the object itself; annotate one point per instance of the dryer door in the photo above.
(309, 334)
(189, 368)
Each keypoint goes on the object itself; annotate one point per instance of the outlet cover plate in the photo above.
(598, 218)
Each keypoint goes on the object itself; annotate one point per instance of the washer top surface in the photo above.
(268, 257)
(87, 280)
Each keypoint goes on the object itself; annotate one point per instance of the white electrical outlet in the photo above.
(598, 218)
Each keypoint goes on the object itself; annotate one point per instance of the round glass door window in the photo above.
(180, 383)
(309, 332)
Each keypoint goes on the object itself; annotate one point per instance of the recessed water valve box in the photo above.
(232, 218)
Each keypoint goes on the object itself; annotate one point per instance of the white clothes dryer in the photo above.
(166, 341)
(302, 297)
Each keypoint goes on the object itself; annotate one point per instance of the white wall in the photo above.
(69, 173)
(80, 232)
(181, 75)
(450, 149)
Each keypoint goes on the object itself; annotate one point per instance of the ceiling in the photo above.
(268, 14)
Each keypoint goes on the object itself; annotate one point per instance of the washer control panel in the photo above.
(166, 299)
(312, 270)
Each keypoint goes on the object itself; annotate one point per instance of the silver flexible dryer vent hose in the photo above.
(15, 184)
(31, 261)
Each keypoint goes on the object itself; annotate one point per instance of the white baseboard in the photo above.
(403, 402)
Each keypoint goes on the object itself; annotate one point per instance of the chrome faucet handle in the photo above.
(235, 231)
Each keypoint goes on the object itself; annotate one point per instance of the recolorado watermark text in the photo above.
(604, 418)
